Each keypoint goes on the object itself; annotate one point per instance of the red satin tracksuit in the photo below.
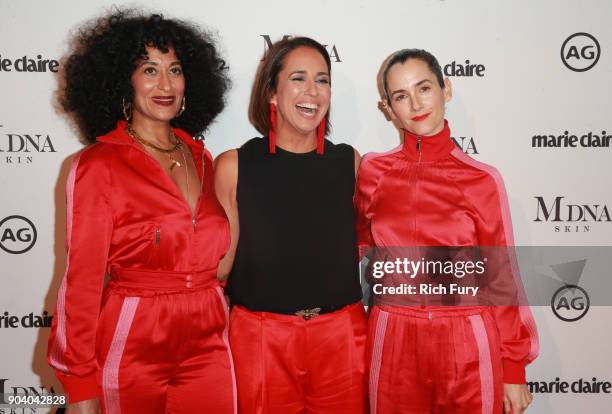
(286, 364)
(155, 339)
(452, 359)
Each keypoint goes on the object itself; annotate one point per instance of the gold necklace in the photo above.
(186, 178)
(178, 144)
(174, 163)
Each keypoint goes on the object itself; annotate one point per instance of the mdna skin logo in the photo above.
(20, 147)
(570, 217)
(331, 48)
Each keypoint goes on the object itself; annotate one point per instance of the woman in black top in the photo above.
(297, 328)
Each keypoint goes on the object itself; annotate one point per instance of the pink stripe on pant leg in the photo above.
(377, 353)
(229, 350)
(484, 364)
(110, 372)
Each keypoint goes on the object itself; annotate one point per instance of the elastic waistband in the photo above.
(435, 312)
(162, 281)
(297, 317)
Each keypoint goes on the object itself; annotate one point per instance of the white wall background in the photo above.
(526, 90)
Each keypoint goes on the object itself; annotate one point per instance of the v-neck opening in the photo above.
(195, 149)
(177, 188)
(193, 210)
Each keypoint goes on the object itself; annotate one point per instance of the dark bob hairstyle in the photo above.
(98, 72)
(267, 77)
(401, 56)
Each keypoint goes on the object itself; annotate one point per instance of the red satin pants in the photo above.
(165, 353)
(288, 365)
(434, 362)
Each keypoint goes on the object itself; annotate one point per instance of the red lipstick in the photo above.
(420, 117)
(163, 100)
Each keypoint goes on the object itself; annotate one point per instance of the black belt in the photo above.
(310, 313)
(305, 313)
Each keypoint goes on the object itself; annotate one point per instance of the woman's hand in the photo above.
(84, 407)
(516, 398)
(225, 266)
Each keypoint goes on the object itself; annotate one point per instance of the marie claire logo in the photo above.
(464, 69)
(331, 49)
(466, 144)
(567, 140)
(578, 386)
(18, 148)
(27, 64)
(580, 52)
(17, 234)
(31, 320)
(570, 303)
(571, 218)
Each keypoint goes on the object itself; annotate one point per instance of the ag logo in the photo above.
(580, 52)
(17, 234)
(570, 303)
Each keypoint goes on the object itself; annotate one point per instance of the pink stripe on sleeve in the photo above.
(56, 358)
(524, 311)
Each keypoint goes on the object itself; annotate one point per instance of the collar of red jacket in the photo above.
(428, 148)
(120, 136)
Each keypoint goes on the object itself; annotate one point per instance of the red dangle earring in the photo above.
(321, 137)
(272, 137)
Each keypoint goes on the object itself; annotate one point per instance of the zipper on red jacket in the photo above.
(193, 213)
(416, 183)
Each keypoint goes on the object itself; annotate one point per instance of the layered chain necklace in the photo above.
(178, 146)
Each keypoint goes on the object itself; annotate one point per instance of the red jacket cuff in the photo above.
(79, 388)
(514, 372)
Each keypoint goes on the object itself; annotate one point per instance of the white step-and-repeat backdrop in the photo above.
(531, 97)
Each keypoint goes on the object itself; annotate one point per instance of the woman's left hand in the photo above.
(516, 398)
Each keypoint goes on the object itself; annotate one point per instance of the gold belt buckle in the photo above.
(308, 313)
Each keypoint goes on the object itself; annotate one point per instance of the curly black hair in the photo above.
(98, 73)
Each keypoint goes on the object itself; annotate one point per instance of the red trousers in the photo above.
(288, 365)
(434, 362)
(165, 353)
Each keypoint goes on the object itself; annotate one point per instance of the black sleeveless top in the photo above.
(297, 247)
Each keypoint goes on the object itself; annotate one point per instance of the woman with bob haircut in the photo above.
(297, 325)
(141, 208)
(455, 356)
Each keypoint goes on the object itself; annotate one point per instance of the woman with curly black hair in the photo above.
(141, 208)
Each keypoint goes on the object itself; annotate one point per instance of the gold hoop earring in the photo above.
(180, 112)
(127, 109)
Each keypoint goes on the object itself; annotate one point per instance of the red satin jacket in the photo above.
(427, 192)
(125, 216)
